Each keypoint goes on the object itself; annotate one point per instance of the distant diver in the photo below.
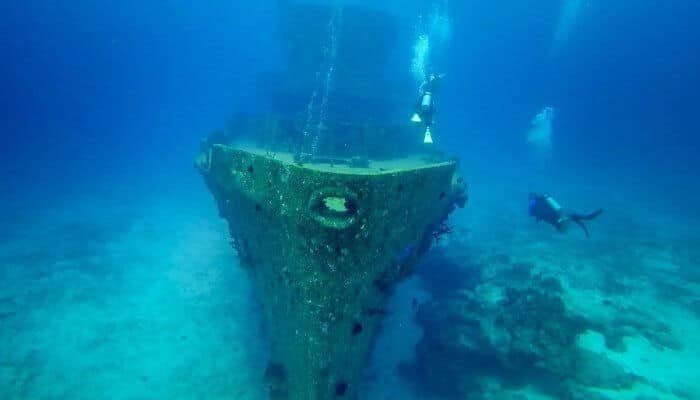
(540, 134)
(544, 208)
(425, 106)
(569, 15)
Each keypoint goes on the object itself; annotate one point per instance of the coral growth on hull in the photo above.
(325, 246)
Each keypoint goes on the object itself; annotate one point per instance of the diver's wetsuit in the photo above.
(544, 208)
(425, 106)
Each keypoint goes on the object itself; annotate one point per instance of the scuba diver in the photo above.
(425, 107)
(544, 208)
(540, 134)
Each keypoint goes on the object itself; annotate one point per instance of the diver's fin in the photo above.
(578, 218)
(579, 223)
(588, 217)
(592, 215)
(428, 138)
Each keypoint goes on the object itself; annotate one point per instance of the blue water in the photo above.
(116, 277)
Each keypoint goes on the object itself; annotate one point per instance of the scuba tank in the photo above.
(552, 203)
(427, 101)
(562, 222)
(426, 106)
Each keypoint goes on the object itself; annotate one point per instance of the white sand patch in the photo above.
(158, 310)
(665, 371)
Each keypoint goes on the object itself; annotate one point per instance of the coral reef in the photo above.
(512, 324)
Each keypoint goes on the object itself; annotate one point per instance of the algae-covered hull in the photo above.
(325, 245)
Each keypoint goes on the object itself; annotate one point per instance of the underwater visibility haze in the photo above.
(346, 199)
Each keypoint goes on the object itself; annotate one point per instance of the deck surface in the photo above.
(376, 167)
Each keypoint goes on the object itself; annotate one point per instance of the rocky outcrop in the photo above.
(513, 325)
